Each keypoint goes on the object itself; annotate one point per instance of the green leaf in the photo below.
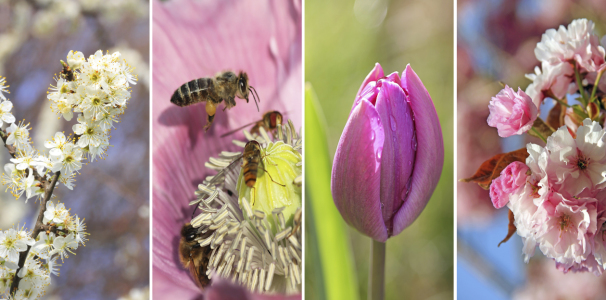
(329, 269)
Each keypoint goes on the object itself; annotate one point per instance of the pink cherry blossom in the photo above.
(511, 113)
(512, 178)
(579, 163)
(578, 42)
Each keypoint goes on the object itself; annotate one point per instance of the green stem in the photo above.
(577, 77)
(560, 101)
(376, 281)
(595, 85)
(539, 134)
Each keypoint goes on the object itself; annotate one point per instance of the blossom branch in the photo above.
(595, 85)
(49, 188)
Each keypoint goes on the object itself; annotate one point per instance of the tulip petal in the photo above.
(429, 158)
(398, 158)
(375, 74)
(355, 182)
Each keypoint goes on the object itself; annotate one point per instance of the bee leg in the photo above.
(211, 109)
(209, 121)
(271, 178)
(252, 196)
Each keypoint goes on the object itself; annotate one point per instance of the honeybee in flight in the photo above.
(193, 256)
(224, 87)
(271, 120)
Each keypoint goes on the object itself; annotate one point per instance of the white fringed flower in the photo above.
(256, 244)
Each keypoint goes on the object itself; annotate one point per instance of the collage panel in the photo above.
(227, 149)
(74, 110)
(530, 104)
(378, 143)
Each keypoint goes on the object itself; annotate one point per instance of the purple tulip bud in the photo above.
(390, 155)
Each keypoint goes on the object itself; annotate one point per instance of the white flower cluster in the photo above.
(98, 89)
(559, 198)
(559, 52)
(64, 234)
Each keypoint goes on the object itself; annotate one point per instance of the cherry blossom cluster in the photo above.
(572, 61)
(61, 234)
(558, 194)
(558, 198)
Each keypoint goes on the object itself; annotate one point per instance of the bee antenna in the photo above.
(194, 212)
(255, 96)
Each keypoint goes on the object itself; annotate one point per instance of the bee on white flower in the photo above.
(75, 59)
(61, 90)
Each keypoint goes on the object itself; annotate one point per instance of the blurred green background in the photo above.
(343, 41)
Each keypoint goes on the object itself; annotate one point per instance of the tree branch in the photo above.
(49, 188)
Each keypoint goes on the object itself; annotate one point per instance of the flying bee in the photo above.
(193, 256)
(271, 120)
(224, 87)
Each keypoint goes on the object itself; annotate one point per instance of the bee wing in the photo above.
(221, 175)
(240, 128)
(212, 184)
(193, 270)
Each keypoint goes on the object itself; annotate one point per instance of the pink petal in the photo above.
(223, 289)
(398, 158)
(355, 182)
(430, 154)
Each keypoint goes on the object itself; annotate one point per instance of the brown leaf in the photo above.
(492, 168)
(511, 229)
(541, 127)
(555, 118)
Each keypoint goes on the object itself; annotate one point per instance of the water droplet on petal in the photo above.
(415, 146)
(382, 205)
(404, 193)
(372, 136)
(409, 162)
(379, 151)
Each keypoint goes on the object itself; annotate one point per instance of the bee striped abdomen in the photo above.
(195, 91)
(250, 172)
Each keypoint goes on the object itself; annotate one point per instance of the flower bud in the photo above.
(511, 113)
(512, 177)
(390, 155)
